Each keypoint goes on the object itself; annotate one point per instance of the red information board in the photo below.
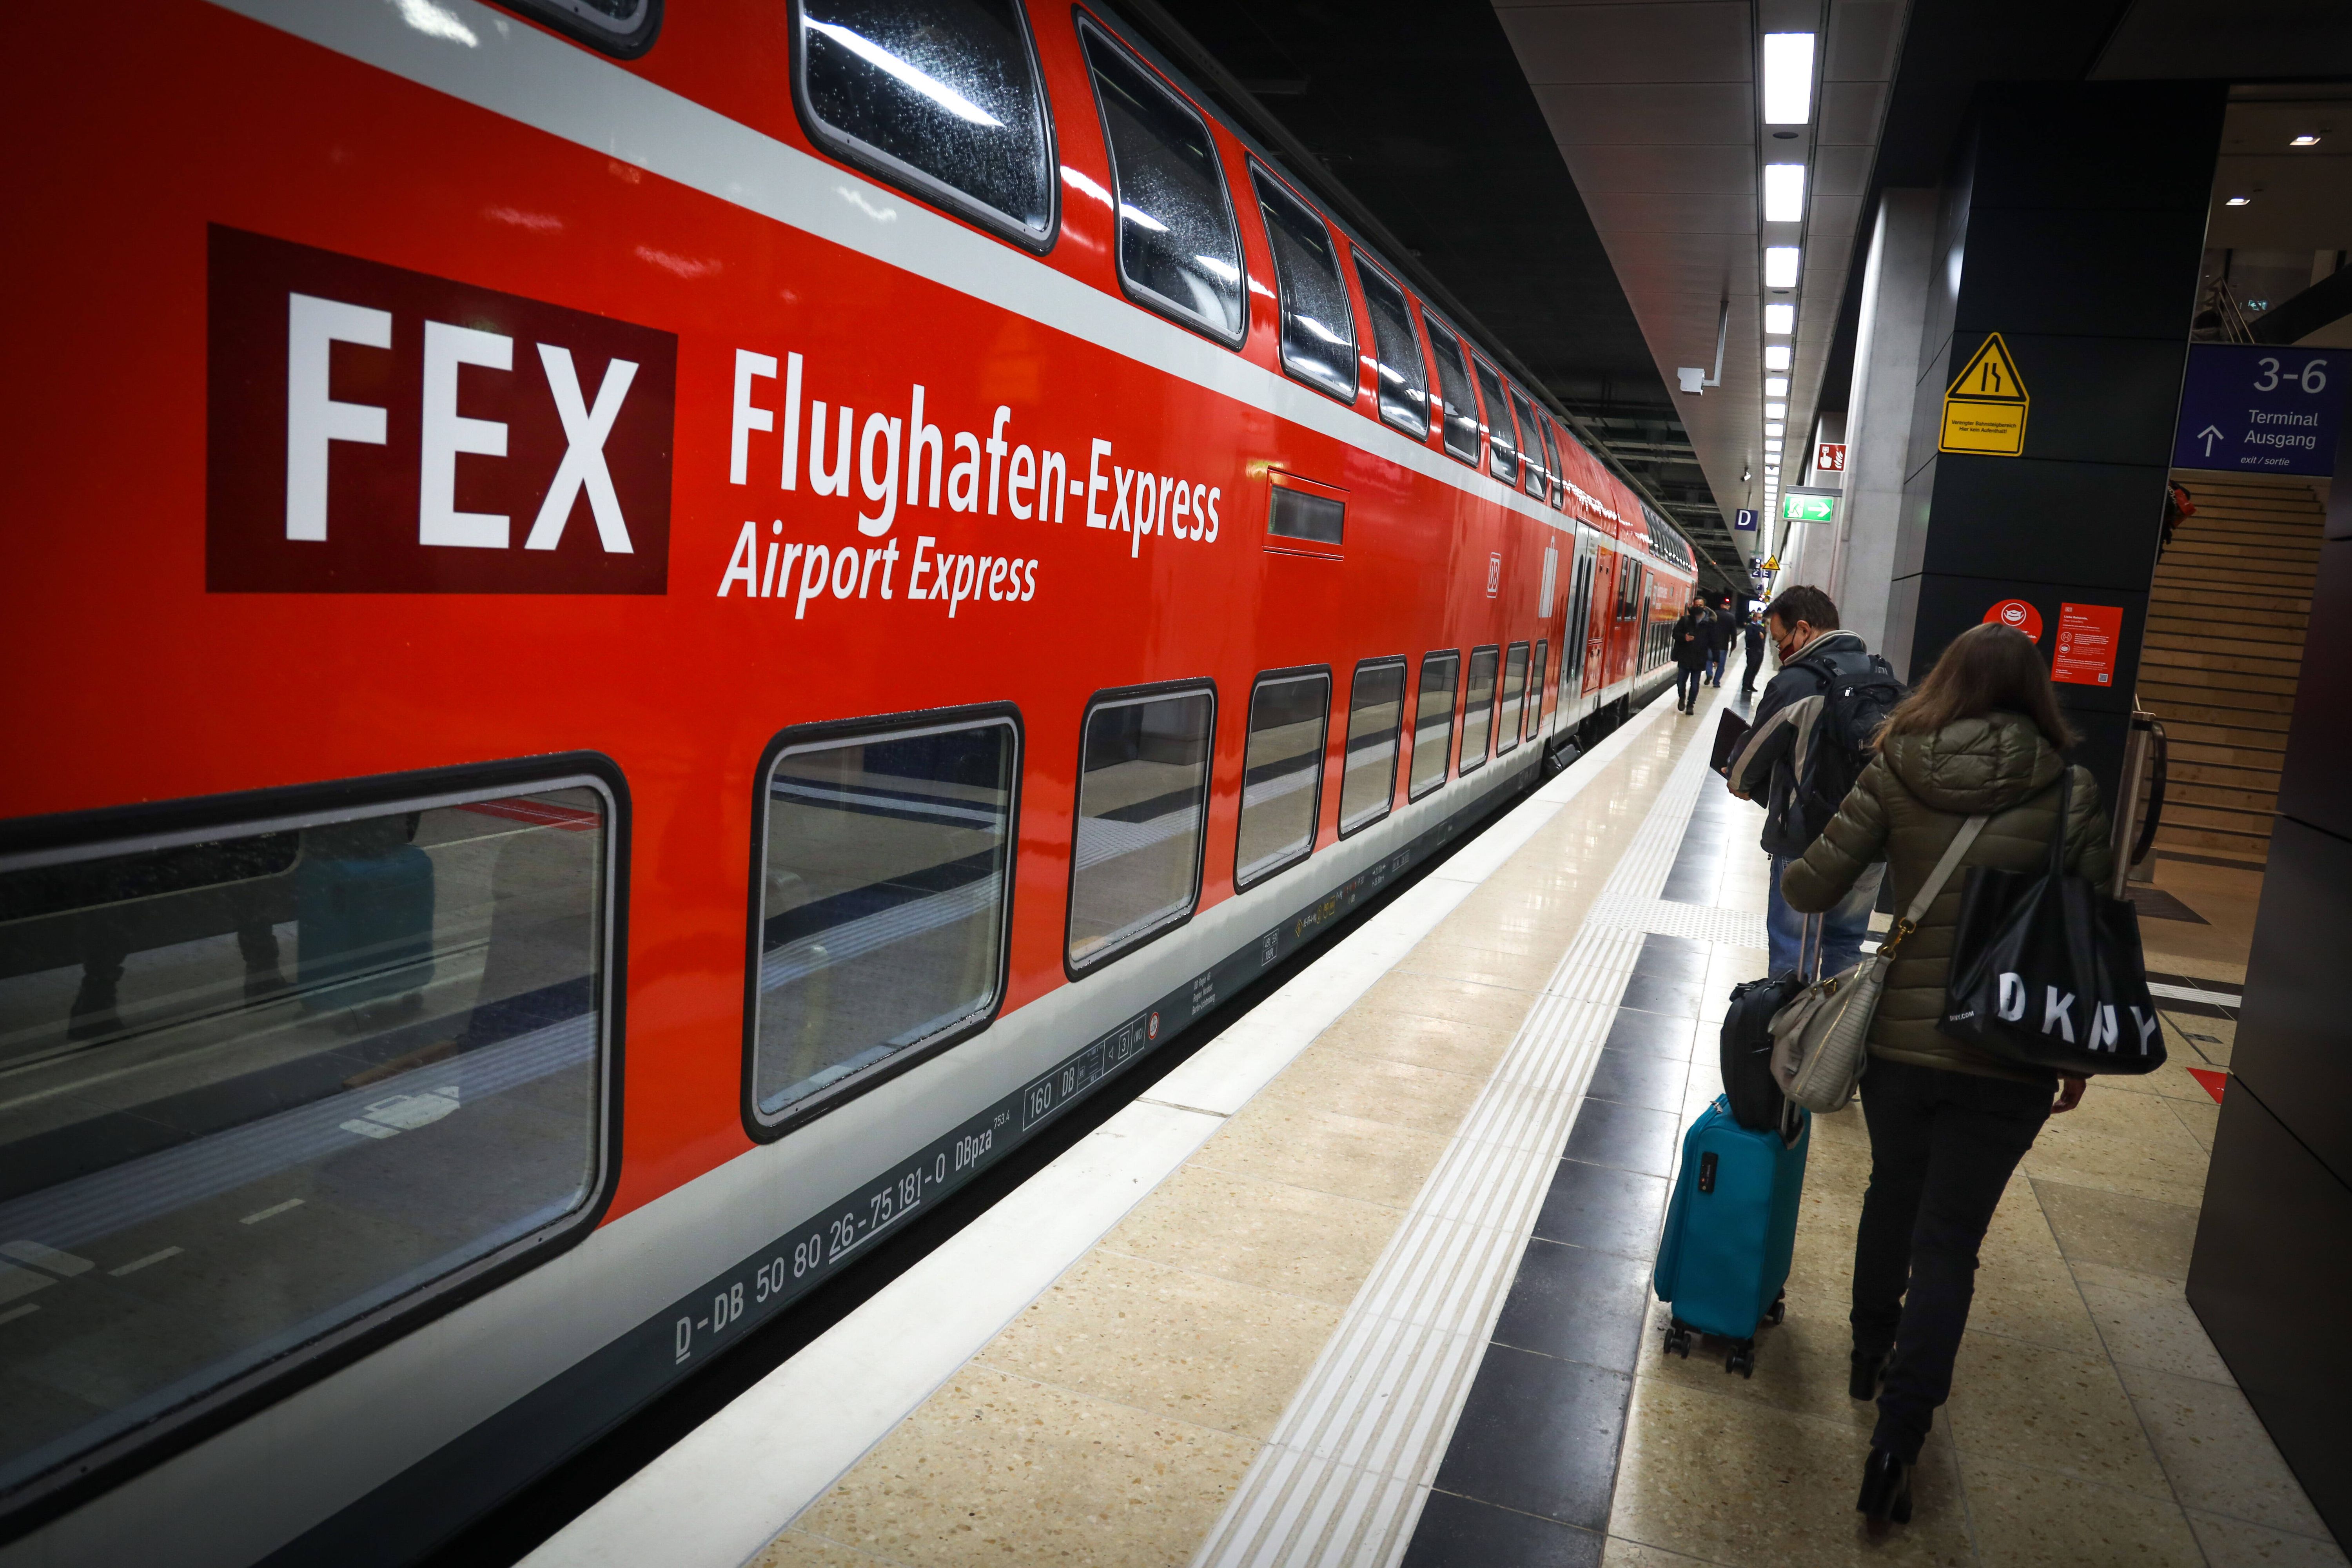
(2087, 635)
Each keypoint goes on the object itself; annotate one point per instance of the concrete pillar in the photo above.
(2072, 225)
(1878, 412)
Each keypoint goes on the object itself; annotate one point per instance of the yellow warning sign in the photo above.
(1984, 406)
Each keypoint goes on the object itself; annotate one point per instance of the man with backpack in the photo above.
(1814, 731)
(1691, 633)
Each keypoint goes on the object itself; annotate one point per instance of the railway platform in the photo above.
(1366, 1281)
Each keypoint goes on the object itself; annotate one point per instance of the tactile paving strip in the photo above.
(1342, 1480)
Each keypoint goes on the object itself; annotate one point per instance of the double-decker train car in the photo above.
(640, 642)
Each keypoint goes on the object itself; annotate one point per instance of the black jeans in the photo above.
(1686, 680)
(1748, 681)
(1942, 1145)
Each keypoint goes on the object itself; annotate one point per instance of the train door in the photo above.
(1600, 588)
(1626, 621)
(1576, 635)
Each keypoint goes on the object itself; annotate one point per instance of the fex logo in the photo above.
(377, 430)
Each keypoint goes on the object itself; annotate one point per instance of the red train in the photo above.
(641, 641)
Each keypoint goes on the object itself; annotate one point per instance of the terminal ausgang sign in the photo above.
(2255, 408)
(1985, 407)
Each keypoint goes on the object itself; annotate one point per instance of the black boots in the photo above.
(1869, 1372)
(1885, 1490)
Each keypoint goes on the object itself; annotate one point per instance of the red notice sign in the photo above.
(2087, 635)
(2018, 616)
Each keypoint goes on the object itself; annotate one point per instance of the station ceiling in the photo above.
(1582, 176)
(1422, 111)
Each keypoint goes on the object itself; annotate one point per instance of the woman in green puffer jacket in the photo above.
(1981, 734)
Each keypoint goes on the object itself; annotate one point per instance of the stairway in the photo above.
(2225, 624)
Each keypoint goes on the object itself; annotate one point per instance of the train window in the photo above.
(1404, 379)
(1536, 478)
(939, 97)
(1513, 721)
(1282, 773)
(1501, 444)
(283, 1067)
(1551, 459)
(1375, 718)
(1478, 709)
(1143, 796)
(1536, 689)
(1433, 721)
(1318, 325)
(1179, 251)
(1295, 513)
(885, 855)
(1454, 390)
(622, 29)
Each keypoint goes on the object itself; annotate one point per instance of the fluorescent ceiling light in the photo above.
(2237, 201)
(1779, 267)
(2305, 141)
(1776, 386)
(1781, 319)
(1775, 411)
(1774, 427)
(1788, 78)
(1776, 356)
(1772, 445)
(1784, 193)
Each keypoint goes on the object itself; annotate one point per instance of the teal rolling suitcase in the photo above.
(1731, 1227)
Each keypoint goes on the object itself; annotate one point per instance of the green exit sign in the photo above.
(1797, 508)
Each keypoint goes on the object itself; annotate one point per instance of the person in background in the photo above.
(1724, 627)
(1691, 635)
(1813, 653)
(1753, 631)
(1948, 1123)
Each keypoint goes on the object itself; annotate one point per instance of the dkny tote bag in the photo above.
(2047, 971)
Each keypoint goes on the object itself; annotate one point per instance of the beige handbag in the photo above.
(1819, 1039)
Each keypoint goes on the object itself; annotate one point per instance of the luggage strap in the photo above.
(1961, 843)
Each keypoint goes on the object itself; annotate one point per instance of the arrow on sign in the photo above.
(2211, 433)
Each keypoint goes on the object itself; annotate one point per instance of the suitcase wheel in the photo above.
(1778, 1310)
(1741, 1359)
(1678, 1342)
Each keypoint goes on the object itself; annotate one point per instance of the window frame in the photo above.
(1502, 683)
(1403, 667)
(1479, 367)
(1380, 408)
(1552, 440)
(1539, 668)
(823, 735)
(920, 183)
(1142, 294)
(568, 20)
(1535, 478)
(1322, 766)
(1461, 768)
(67, 836)
(1258, 172)
(1116, 696)
(1453, 724)
(1432, 325)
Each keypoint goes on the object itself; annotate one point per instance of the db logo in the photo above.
(1494, 575)
(2018, 616)
(376, 430)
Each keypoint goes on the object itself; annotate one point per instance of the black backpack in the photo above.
(1859, 691)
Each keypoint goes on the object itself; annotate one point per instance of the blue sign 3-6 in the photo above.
(2252, 408)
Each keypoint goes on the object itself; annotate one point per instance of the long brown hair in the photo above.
(1985, 668)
